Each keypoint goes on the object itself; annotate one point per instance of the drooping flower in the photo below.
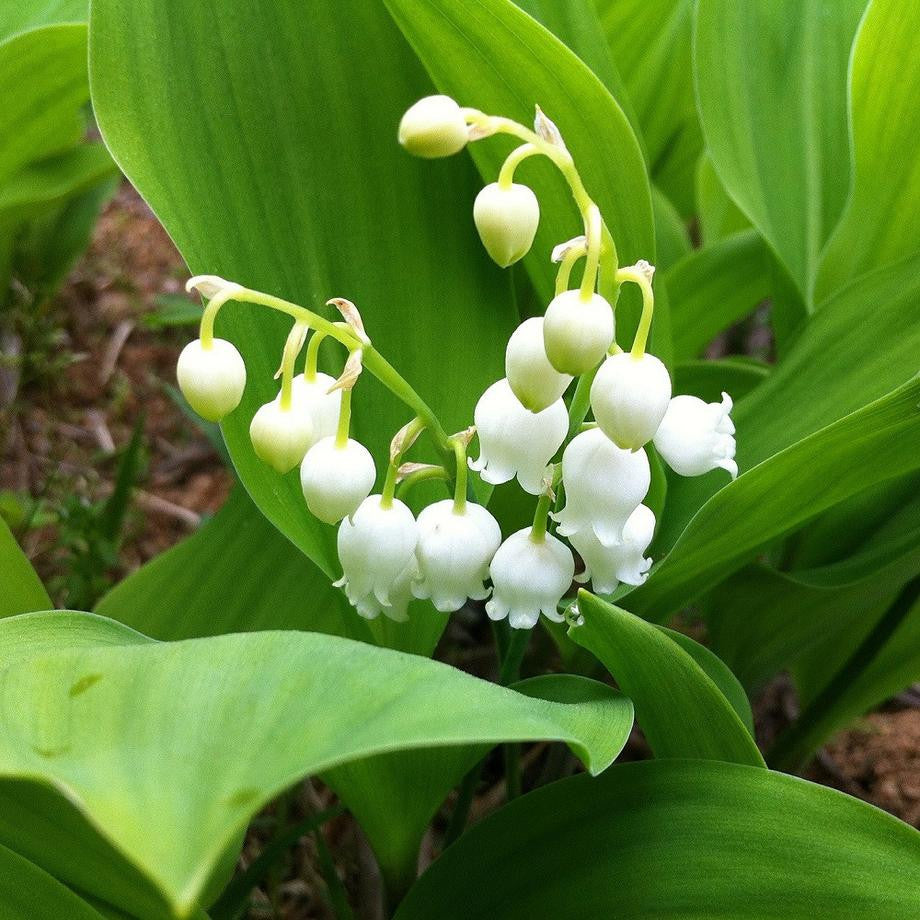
(695, 437)
(533, 380)
(507, 220)
(376, 549)
(313, 398)
(281, 436)
(529, 577)
(514, 441)
(433, 127)
(211, 378)
(629, 397)
(454, 551)
(336, 479)
(604, 484)
(607, 566)
(577, 332)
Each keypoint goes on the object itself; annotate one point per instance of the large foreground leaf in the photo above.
(873, 444)
(880, 225)
(677, 839)
(228, 723)
(685, 698)
(771, 84)
(269, 168)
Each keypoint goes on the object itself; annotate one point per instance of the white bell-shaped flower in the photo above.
(454, 551)
(577, 332)
(533, 380)
(376, 549)
(281, 436)
(604, 484)
(400, 597)
(629, 397)
(529, 577)
(434, 127)
(336, 479)
(607, 566)
(695, 437)
(211, 379)
(313, 398)
(507, 220)
(514, 441)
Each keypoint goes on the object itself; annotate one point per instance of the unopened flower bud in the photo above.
(376, 548)
(604, 484)
(280, 436)
(629, 397)
(513, 441)
(454, 551)
(695, 437)
(507, 220)
(212, 379)
(434, 127)
(313, 398)
(335, 480)
(529, 577)
(577, 332)
(607, 566)
(533, 380)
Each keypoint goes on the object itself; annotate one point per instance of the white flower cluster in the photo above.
(454, 547)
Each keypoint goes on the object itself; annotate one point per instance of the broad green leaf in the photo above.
(761, 620)
(22, 589)
(859, 346)
(868, 446)
(270, 170)
(680, 705)
(671, 239)
(27, 14)
(880, 224)
(239, 574)
(173, 791)
(771, 85)
(491, 55)
(650, 41)
(47, 66)
(29, 893)
(677, 839)
(709, 379)
(713, 287)
(718, 215)
(394, 796)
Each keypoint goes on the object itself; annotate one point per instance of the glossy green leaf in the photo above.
(671, 239)
(47, 65)
(709, 379)
(677, 839)
(718, 215)
(22, 588)
(880, 225)
(270, 169)
(771, 85)
(868, 446)
(650, 41)
(680, 705)
(29, 893)
(171, 792)
(491, 55)
(27, 14)
(713, 287)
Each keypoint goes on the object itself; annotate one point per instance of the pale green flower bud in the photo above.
(434, 127)
(280, 437)
(211, 379)
(629, 397)
(577, 332)
(336, 479)
(533, 380)
(507, 220)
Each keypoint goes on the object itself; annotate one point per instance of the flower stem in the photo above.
(566, 266)
(389, 485)
(291, 349)
(637, 276)
(594, 239)
(341, 435)
(461, 476)
(513, 160)
(538, 529)
(312, 362)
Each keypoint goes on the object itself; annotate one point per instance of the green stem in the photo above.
(566, 266)
(594, 238)
(312, 362)
(389, 485)
(341, 435)
(648, 307)
(460, 478)
(581, 402)
(513, 160)
(793, 747)
(423, 475)
(538, 530)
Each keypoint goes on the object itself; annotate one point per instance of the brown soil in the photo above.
(63, 441)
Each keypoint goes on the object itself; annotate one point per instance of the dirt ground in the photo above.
(61, 447)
